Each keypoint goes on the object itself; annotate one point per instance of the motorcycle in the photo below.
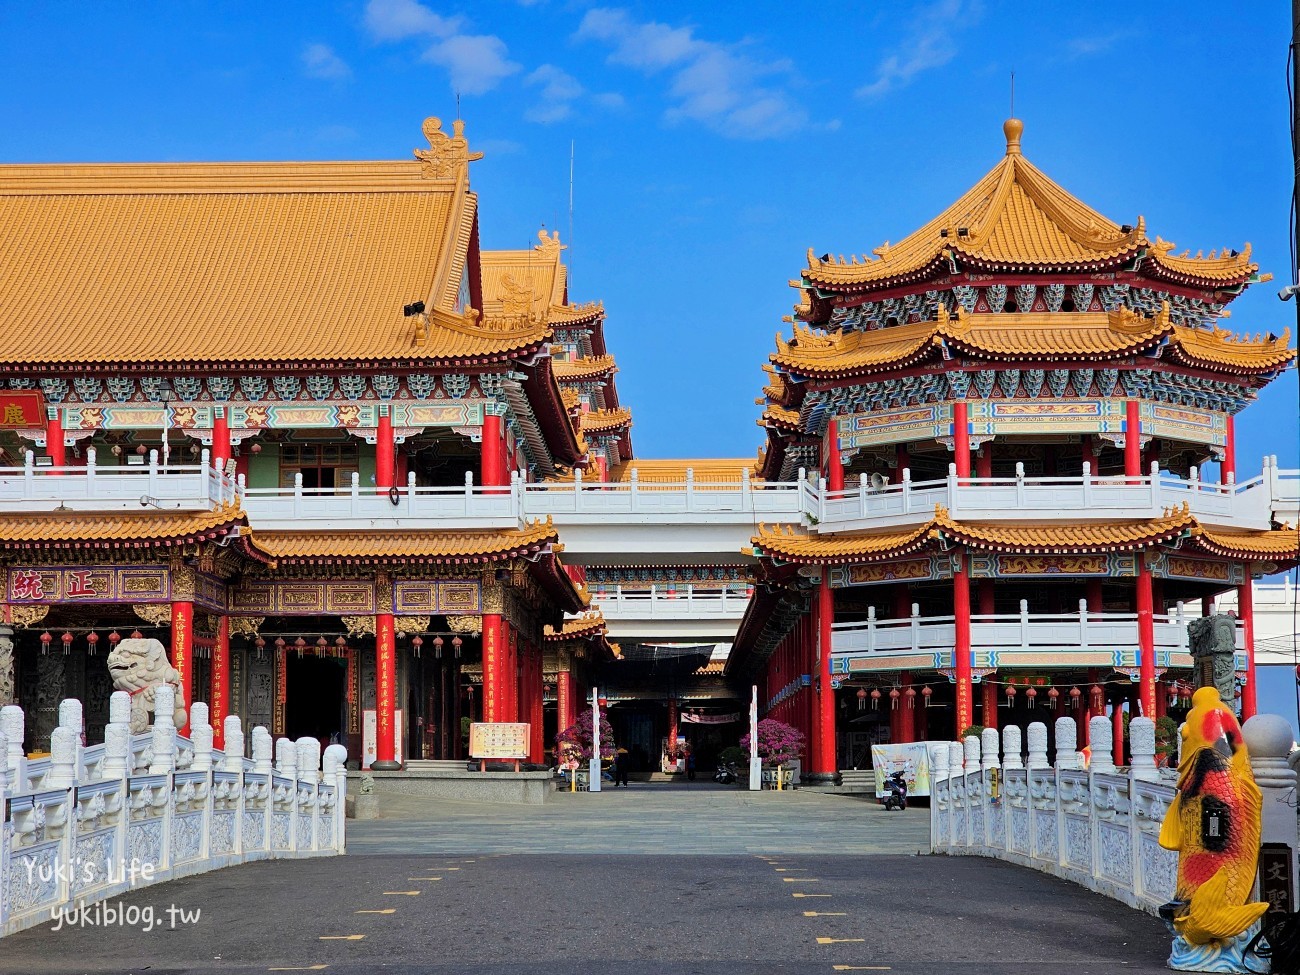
(725, 774)
(897, 786)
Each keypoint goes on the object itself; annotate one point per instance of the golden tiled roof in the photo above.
(1014, 217)
(589, 624)
(240, 262)
(1222, 351)
(780, 417)
(793, 545)
(524, 283)
(603, 421)
(1280, 544)
(434, 546)
(1026, 336)
(576, 370)
(725, 470)
(126, 530)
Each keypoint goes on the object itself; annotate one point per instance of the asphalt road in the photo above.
(560, 914)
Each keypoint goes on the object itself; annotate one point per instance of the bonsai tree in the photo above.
(1166, 740)
(573, 744)
(778, 742)
(975, 731)
(734, 755)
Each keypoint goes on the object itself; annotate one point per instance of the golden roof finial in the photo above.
(446, 154)
(1012, 128)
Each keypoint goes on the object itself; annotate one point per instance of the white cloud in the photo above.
(320, 61)
(559, 90)
(715, 84)
(475, 63)
(930, 44)
(1082, 47)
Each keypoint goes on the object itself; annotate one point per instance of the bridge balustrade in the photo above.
(34, 488)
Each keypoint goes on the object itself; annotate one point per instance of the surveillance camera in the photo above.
(1289, 292)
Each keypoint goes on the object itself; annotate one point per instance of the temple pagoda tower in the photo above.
(1010, 409)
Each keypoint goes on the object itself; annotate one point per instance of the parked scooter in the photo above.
(725, 774)
(897, 786)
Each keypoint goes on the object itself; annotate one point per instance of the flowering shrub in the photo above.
(778, 742)
(573, 744)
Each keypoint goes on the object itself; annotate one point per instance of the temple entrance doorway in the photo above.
(316, 701)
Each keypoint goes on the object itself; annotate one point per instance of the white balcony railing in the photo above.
(174, 487)
(581, 501)
(1251, 504)
(354, 507)
(1007, 634)
(656, 603)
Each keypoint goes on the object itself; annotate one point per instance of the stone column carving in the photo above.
(117, 736)
(1011, 748)
(939, 763)
(8, 692)
(233, 754)
(307, 752)
(14, 725)
(1268, 740)
(263, 747)
(956, 757)
(1099, 735)
(971, 754)
(71, 717)
(164, 730)
(1142, 746)
(63, 759)
(1038, 745)
(286, 759)
(989, 749)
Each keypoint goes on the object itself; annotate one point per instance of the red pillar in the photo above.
(536, 692)
(904, 461)
(385, 693)
(1089, 456)
(493, 452)
(1117, 731)
(565, 715)
(54, 437)
(220, 438)
(986, 602)
(384, 449)
(1080, 718)
(493, 663)
(183, 653)
(834, 467)
(672, 723)
(1146, 639)
(219, 697)
(1246, 610)
(1092, 590)
(1228, 468)
(823, 757)
(961, 438)
(906, 708)
(1162, 699)
(989, 693)
(984, 461)
(1132, 440)
(961, 651)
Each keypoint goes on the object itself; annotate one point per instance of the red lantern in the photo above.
(910, 695)
(925, 693)
(875, 699)
(1098, 697)
(341, 643)
(417, 642)
(92, 638)
(46, 639)
(862, 698)
(1011, 695)
(300, 643)
(893, 698)
(1075, 694)
(1031, 696)
(321, 644)
(455, 645)
(114, 639)
(1052, 695)
(137, 635)
(437, 647)
(67, 641)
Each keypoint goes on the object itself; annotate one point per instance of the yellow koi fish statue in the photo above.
(1214, 824)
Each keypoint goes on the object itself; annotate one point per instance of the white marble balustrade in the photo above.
(87, 824)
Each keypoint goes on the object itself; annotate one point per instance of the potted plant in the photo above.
(778, 743)
(1166, 741)
(573, 745)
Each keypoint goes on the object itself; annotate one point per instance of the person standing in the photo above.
(622, 761)
(690, 766)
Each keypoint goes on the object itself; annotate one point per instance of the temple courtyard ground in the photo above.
(651, 879)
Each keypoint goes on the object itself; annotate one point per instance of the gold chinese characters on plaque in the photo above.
(498, 740)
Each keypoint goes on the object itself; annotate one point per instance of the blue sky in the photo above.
(714, 143)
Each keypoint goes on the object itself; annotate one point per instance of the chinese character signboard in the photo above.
(1276, 885)
(94, 584)
(370, 737)
(498, 740)
(22, 410)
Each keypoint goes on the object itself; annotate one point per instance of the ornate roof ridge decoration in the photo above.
(448, 156)
(450, 547)
(589, 624)
(599, 421)
(531, 284)
(1026, 336)
(780, 418)
(1017, 218)
(791, 545)
(67, 530)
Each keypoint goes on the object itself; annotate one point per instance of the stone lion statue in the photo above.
(139, 666)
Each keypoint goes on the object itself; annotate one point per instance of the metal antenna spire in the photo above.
(457, 103)
(1013, 94)
(571, 144)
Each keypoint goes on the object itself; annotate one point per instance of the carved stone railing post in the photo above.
(1067, 755)
(1268, 742)
(164, 730)
(4, 788)
(263, 746)
(14, 726)
(1011, 748)
(1038, 745)
(201, 736)
(1099, 737)
(956, 758)
(939, 810)
(970, 754)
(308, 756)
(232, 759)
(286, 758)
(1142, 745)
(334, 770)
(989, 749)
(63, 759)
(117, 737)
(71, 717)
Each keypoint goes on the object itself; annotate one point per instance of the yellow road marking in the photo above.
(386, 910)
(341, 937)
(309, 968)
(401, 893)
(861, 968)
(788, 869)
(809, 895)
(423, 878)
(800, 880)
(838, 941)
(825, 914)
